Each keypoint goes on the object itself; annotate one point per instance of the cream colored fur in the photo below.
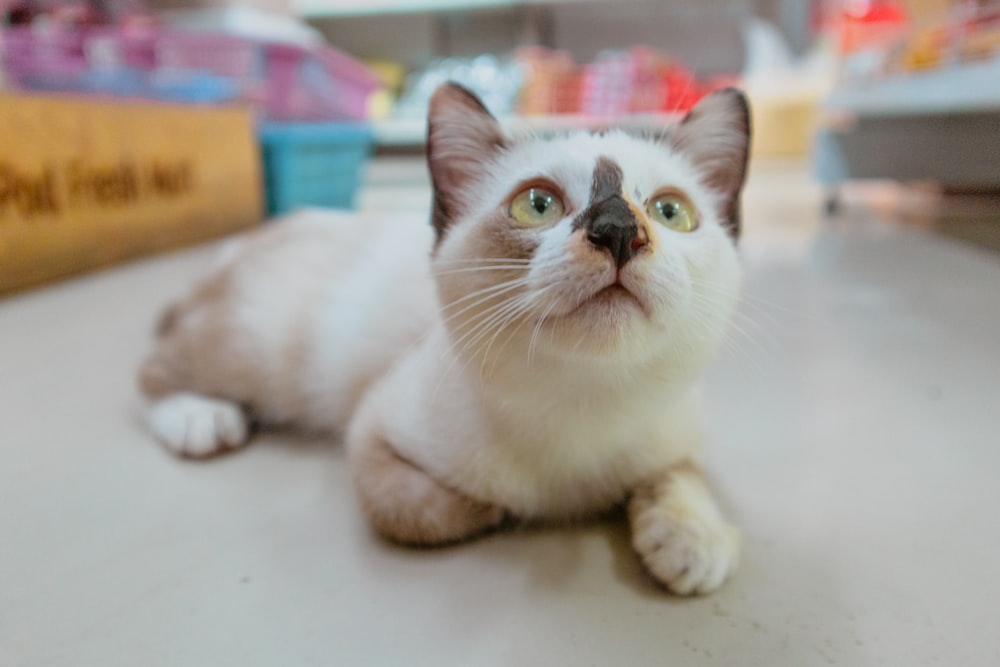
(478, 378)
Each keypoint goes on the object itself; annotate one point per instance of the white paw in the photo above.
(689, 555)
(196, 426)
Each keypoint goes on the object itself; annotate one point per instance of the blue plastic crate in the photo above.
(313, 164)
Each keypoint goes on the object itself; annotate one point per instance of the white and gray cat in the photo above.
(531, 355)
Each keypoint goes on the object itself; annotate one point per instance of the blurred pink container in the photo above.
(321, 84)
(285, 83)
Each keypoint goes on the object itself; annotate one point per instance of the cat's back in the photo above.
(302, 314)
(313, 244)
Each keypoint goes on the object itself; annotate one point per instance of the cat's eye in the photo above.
(536, 206)
(673, 211)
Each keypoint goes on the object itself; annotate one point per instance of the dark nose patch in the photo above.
(608, 221)
(613, 227)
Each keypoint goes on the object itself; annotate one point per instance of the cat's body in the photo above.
(285, 323)
(541, 365)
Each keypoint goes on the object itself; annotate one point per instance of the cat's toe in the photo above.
(196, 426)
(689, 558)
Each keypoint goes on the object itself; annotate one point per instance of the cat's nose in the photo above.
(620, 237)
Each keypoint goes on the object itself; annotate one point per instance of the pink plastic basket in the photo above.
(323, 84)
(286, 83)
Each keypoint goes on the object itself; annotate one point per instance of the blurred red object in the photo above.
(641, 80)
(871, 24)
(552, 82)
(79, 14)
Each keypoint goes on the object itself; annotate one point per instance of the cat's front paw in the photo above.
(196, 426)
(688, 557)
(690, 554)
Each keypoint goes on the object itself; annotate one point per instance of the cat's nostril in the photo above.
(641, 240)
(619, 239)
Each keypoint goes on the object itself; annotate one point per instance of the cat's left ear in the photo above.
(715, 135)
(462, 137)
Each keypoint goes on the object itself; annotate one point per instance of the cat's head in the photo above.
(609, 245)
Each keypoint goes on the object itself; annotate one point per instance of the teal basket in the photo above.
(313, 164)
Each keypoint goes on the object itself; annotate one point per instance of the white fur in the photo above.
(196, 426)
(326, 302)
(683, 539)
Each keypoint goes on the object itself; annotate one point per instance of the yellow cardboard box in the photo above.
(85, 184)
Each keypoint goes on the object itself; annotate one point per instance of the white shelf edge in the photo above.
(965, 88)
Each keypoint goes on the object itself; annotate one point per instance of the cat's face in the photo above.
(605, 245)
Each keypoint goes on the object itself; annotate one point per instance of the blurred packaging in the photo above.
(641, 80)
(497, 82)
(539, 81)
(392, 76)
(785, 91)
(887, 38)
(85, 184)
(552, 82)
(283, 82)
(870, 25)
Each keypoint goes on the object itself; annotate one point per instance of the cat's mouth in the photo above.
(614, 296)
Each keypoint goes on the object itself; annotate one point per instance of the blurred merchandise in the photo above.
(785, 124)
(950, 62)
(552, 82)
(923, 104)
(641, 80)
(537, 81)
(392, 77)
(871, 24)
(84, 184)
(497, 81)
(917, 35)
(282, 81)
(313, 164)
(785, 91)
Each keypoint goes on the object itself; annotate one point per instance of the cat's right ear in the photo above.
(462, 137)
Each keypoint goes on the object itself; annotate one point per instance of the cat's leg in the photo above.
(193, 404)
(679, 532)
(406, 505)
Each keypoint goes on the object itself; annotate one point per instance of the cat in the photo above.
(530, 355)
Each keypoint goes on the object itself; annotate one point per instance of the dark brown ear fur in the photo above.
(715, 135)
(462, 137)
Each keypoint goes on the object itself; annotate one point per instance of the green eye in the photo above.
(673, 211)
(536, 206)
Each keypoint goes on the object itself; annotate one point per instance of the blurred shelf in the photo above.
(964, 88)
(335, 8)
(413, 132)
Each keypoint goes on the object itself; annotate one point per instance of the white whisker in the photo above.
(538, 327)
(483, 328)
(486, 260)
(493, 294)
(524, 307)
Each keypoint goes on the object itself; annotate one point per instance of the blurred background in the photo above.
(850, 91)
